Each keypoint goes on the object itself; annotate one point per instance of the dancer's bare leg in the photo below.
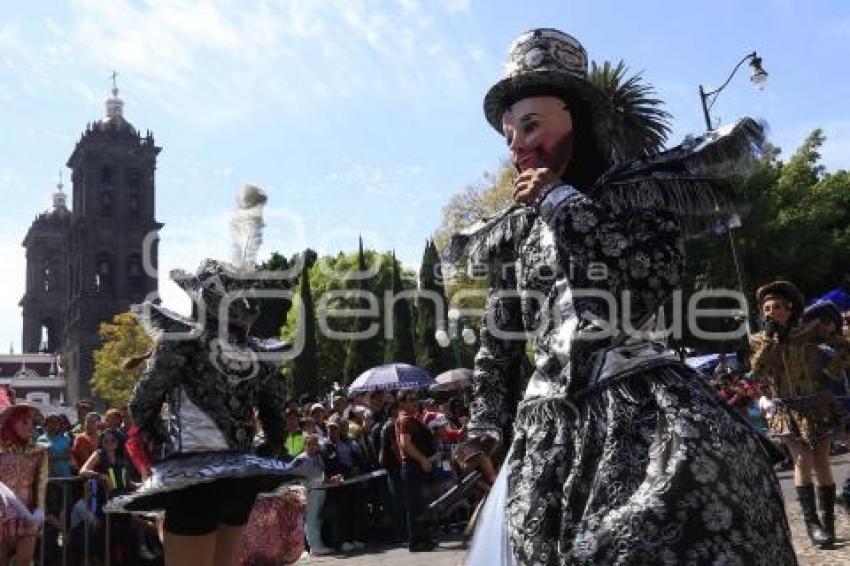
(820, 463)
(228, 543)
(803, 461)
(181, 550)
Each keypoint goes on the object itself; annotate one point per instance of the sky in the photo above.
(356, 116)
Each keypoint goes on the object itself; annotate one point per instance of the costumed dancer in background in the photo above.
(788, 356)
(832, 320)
(619, 453)
(23, 472)
(213, 375)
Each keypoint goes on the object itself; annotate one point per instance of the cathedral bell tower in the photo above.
(45, 299)
(113, 202)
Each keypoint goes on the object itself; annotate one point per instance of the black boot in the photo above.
(826, 503)
(844, 500)
(806, 498)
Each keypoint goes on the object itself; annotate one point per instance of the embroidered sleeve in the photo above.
(158, 380)
(270, 402)
(498, 361)
(763, 352)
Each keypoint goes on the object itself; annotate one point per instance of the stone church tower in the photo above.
(109, 239)
(46, 297)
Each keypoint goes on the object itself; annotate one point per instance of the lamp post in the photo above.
(446, 338)
(757, 75)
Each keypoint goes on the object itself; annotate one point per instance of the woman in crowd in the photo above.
(86, 441)
(23, 470)
(115, 475)
(787, 356)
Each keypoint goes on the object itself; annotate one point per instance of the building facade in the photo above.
(102, 252)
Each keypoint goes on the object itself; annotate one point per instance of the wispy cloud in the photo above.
(220, 59)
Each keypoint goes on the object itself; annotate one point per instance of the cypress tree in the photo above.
(400, 346)
(357, 355)
(429, 355)
(305, 372)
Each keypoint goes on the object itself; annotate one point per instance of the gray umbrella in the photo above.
(453, 380)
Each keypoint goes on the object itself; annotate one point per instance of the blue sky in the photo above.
(359, 116)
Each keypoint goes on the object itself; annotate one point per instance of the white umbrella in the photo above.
(453, 380)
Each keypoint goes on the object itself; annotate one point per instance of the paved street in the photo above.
(452, 553)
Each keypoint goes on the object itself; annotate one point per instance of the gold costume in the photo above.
(793, 369)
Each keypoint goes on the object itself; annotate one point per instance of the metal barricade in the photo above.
(63, 515)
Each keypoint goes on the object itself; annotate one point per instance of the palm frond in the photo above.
(640, 125)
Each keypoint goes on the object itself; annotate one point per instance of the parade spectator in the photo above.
(310, 461)
(86, 442)
(416, 447)
(319, 414)
(389, 458)
(58, 446)
(293, 441)
(114, 420)
(347, 507)
(115, 475)
(83, 408)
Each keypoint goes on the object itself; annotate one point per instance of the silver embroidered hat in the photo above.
(549, 62)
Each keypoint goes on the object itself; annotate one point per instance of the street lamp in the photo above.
(448, 337)
(758, 76)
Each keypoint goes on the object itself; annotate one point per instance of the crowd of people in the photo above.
(413, 441)
(76, 469)
(373, 460)
(341, 441)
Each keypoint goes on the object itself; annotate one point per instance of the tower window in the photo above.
(134, 178)
(106, 174)
(105, 204)
(133, 206)
(103, 273)
(45, 275)
(135, 273)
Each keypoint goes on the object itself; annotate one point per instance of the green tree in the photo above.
(305, 366)
(640, 125)
(329, 279)
(360, 353)
(121, 339)
(429, 311)
(796, 227)
(400, 346)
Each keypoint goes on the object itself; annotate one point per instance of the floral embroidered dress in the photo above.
(24, 471)
(620, 454)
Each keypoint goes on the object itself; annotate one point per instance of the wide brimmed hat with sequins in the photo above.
(549, 62)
